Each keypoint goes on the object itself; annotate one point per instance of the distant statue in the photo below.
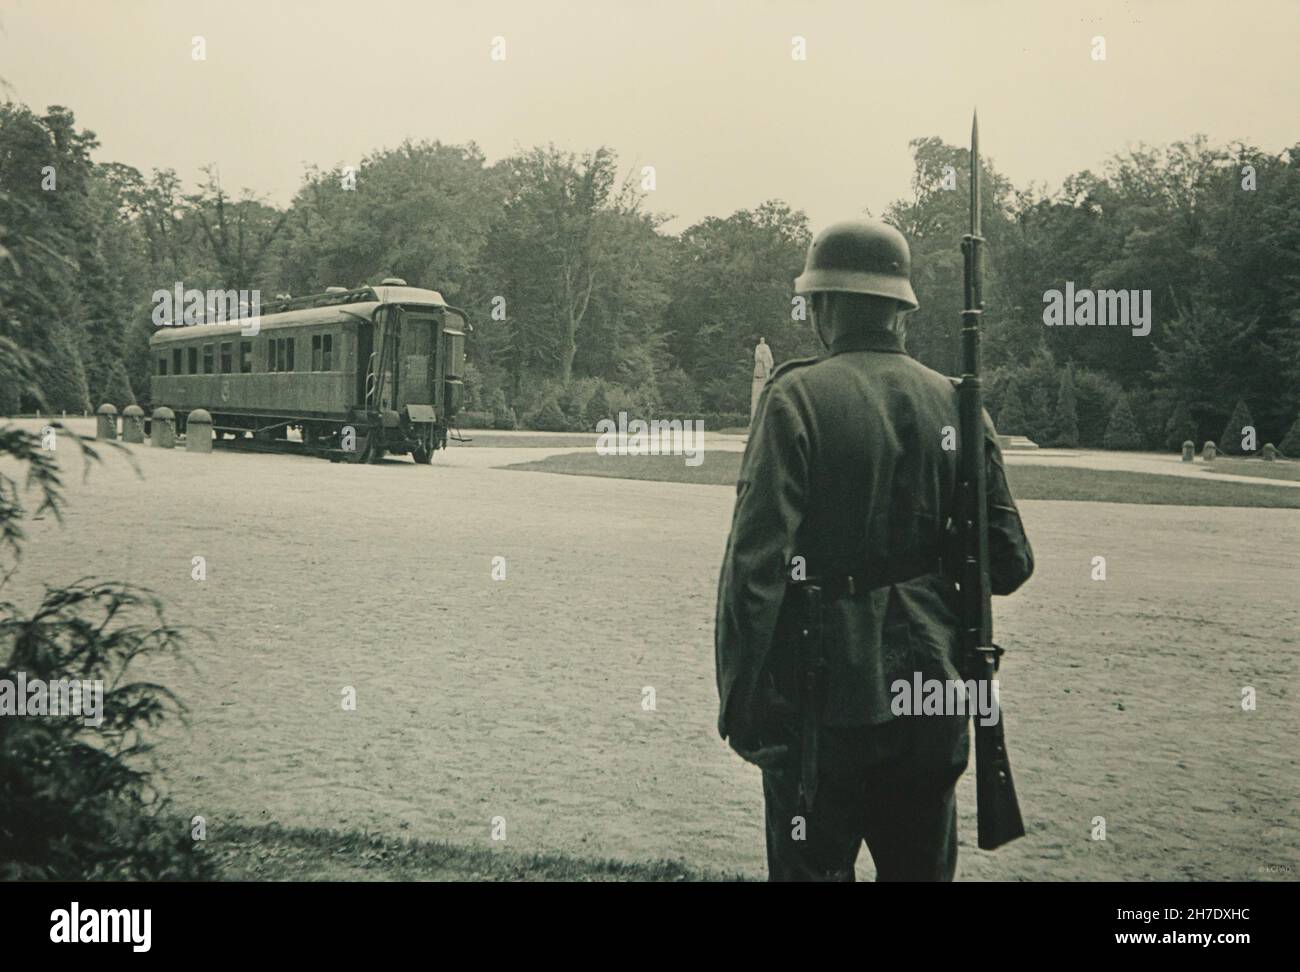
(762, 371)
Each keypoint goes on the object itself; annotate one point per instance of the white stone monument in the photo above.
(762, 371)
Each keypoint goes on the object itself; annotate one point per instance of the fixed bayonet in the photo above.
(995, 793)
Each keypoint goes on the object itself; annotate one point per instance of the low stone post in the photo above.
(106, 422)
(133, 424)
(1270, 452)
(198, 431)
(1189, 450)
(162, 429)
(1209, 452)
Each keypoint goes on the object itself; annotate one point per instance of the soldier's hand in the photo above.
(763, 755)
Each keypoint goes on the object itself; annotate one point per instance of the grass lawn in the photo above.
(1278, 469)
(1027, 482)
(273, 853)
(1114, 486)
(507, 441)
(554, 440)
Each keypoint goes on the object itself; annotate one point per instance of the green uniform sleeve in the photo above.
(770, 498)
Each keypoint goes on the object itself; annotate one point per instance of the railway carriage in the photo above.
(358, 373)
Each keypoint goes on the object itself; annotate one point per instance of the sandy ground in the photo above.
(522, 698)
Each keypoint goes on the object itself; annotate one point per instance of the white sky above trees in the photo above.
(706, 92)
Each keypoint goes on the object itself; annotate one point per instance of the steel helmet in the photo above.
(859, 257)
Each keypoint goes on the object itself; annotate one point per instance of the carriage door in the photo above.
(417, 358)
(382, 384)
(365, 345)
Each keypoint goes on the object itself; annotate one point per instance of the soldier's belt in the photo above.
(836, 586)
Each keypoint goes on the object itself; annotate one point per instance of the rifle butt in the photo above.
(998, 810)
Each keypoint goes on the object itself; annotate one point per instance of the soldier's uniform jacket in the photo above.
(846, 468)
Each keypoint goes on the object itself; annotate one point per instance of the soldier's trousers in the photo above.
(889, 786)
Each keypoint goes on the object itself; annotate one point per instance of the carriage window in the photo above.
(322, 352)
(279, 355)
(455, 354)
(176, 362)
(245, 357)
(162, 365)
(207, 359)
(227, 357)
(194, 361)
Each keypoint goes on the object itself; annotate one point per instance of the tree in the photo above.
(566, 276)
(549, 248)
(679, 392)
(1067, 415)
(1239, 423)
(1042, 427)
(598, 408)
(45, 170)
(1122, 431)
(1290, 444)
(933, 220)
(239, 233)
(1096, 395)
(419, 212)
(1013, 418)
(550, 416)
(1180, 428)
(80, 800)
(732, 283)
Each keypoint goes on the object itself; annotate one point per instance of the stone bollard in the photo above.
(133, 424)
(162, 430)
(1270, 452)
(198, 431)
(1189, 450)
(106, 422)
(1209, 452)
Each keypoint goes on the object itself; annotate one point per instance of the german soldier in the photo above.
(838, 581)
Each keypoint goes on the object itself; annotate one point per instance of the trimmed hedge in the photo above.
(474, 420)
(712, 420)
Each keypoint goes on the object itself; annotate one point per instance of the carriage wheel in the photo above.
(363, 450)
(424, 448)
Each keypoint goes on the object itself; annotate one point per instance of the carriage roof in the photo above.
(330, 308)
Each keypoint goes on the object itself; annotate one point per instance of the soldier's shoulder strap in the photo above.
(785, 367)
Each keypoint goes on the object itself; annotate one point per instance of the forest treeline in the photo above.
(582, 303)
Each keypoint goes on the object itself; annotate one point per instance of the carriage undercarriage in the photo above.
(356, 440)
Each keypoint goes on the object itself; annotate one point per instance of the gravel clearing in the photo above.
(522, 698)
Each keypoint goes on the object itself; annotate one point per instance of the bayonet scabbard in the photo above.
(812, 672)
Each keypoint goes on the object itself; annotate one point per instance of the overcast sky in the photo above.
(708, 93)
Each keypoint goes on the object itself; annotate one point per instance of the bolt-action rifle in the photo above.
(995, 795)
